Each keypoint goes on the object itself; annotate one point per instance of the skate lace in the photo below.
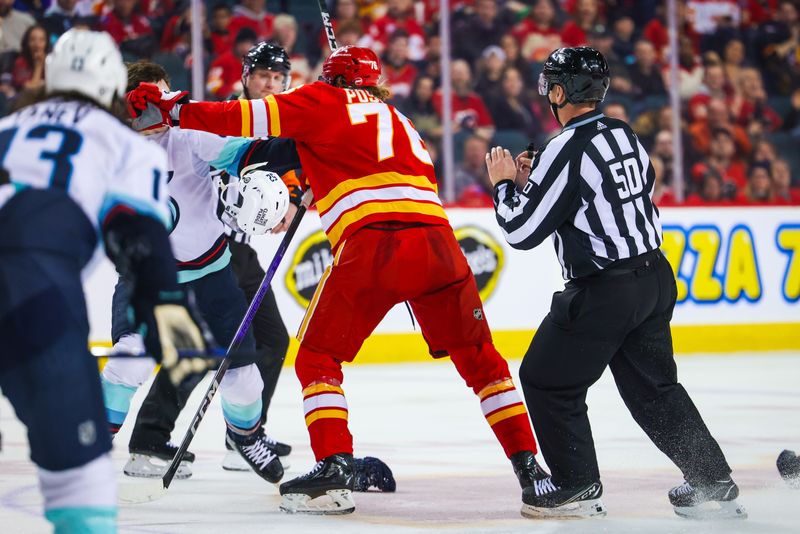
(313, 470)
(544, 486)
(259, 453)
(272, 441)
(684, 489)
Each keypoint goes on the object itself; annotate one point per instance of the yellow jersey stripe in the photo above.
(372, 180)
(274, 116)
(505, 414)
(313, 304)
(321, 388)
(325, 414)
(496, 388)
(335, 232)
(245, 105)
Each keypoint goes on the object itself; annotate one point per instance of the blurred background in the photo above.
(717, 107)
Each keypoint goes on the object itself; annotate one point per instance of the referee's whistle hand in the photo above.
(501, 165)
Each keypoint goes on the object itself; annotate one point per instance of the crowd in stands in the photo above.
(739, 72)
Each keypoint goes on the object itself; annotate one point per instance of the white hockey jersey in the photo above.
(197, 238)
(83, 150)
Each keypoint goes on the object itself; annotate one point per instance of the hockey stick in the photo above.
(327, 24)
(148, 492)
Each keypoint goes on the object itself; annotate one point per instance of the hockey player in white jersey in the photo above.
(200, 246)
(73, 173)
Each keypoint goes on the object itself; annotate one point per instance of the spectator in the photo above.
(177, 35)
(602, 40)
(750, 104)
(490, 68)
(664, 152)
(711, 191)
(792, 119)
(644, 73)
(29, 66)
(479, 30)
(221, 37)
(713, 87)
(13, 24)
(616, 110)
(514, 59)
(691, 73)
(469, 110)
(718, 119)
(346, 12)
(60, 17)
(130, 30)
(587, 15)
(782, 184)
(777, 42)
(624, 39)
(662, 194)
(420, 109)
(539, 33)
(398, 72)
(432, 65)
(471, 176)
(511, 109)
(759, 185)
(399, 15)
(225, 74)
(733, 62)
(252, 14)
(722, 159)
(764, 152)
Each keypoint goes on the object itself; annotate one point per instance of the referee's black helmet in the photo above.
(268, 56)
(581, 71)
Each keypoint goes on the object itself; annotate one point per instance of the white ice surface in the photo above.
(451, 474)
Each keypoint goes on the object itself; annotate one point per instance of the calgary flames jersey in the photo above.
(363, 159)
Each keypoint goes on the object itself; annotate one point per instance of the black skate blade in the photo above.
(712, 510)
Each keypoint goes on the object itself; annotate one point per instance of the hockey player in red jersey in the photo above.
(377, 198)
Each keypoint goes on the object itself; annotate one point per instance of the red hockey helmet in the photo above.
(358, 65)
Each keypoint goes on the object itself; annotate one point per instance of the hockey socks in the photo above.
(506, 414)
(117, 399)
(81, 500)
(240, 390)
(326, 414)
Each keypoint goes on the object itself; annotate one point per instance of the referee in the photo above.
(589, 188)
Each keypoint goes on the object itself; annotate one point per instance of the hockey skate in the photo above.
(716, 500)
(233, 461)
(331, 481)
(151, 461)
(789, 468)
(372, 472)
(255, 450)
(527, 468)
(545, 500)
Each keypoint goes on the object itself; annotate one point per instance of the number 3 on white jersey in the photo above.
(358, 115)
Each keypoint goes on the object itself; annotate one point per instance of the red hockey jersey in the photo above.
(364, 160)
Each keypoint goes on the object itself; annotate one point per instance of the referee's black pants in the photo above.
(159, 411)
(618, 319)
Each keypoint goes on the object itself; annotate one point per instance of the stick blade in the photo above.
(141, 492)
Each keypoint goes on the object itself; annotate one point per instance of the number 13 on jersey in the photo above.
(358, 115)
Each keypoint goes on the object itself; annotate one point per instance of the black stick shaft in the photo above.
(328, 24)
(237, 340)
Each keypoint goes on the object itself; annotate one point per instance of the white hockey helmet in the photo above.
(263, 201)
(89, 63)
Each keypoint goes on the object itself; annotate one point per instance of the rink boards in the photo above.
(738, 278)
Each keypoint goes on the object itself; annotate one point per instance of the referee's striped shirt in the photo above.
(590, 188)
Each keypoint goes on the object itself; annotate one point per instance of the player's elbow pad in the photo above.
(139, 247)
